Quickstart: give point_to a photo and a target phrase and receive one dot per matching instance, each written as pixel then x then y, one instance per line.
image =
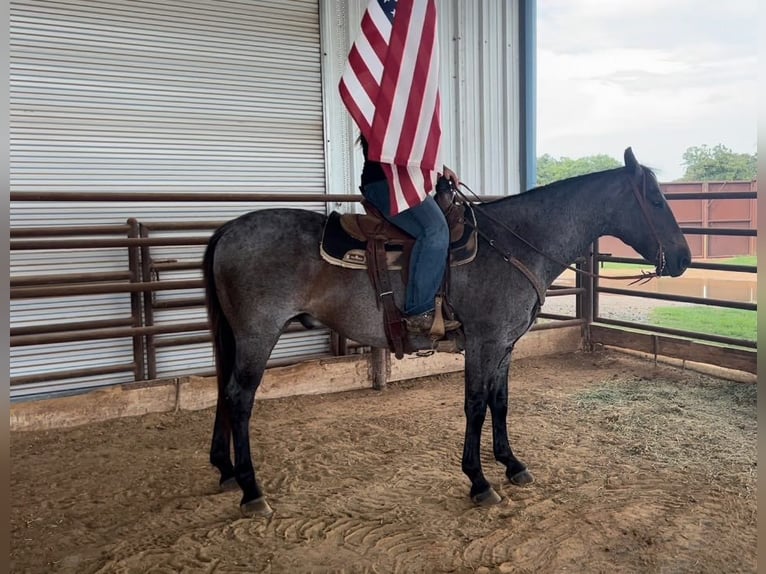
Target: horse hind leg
pixel 220 449
pixel 235 403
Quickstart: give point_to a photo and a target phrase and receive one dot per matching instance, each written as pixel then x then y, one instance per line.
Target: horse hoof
pixel 522 478
pixel 257 507
pixel 228 485
pixel 487 498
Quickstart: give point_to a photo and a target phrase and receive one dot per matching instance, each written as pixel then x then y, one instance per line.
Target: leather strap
pixel 437 327
pixel 377 267
pixel 532 279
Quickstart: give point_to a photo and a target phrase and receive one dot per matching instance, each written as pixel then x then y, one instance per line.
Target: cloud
pixel 660 76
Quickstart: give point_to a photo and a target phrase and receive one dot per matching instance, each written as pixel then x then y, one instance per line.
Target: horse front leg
pixel 515 470
pixel 476 397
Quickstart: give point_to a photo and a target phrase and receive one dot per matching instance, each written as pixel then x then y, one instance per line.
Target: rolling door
pixel 154 97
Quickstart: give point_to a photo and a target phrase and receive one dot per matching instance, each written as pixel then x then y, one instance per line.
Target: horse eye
pixel 657 202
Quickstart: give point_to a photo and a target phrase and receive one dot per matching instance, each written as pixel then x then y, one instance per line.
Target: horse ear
pixel 632 163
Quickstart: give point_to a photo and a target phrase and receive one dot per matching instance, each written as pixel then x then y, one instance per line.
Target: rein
pixel 641 278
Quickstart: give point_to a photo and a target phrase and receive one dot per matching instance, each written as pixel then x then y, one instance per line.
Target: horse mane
pixel 558 184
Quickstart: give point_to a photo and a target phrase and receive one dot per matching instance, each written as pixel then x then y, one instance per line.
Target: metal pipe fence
pixel 140 282
pixel 693 344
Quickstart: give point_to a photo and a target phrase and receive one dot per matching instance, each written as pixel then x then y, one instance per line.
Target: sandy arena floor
pixel 640 468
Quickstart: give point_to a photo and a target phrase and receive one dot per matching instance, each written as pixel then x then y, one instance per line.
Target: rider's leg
pixel 426 223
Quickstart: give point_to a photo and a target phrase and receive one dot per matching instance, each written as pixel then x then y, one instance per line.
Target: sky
pixel 657 75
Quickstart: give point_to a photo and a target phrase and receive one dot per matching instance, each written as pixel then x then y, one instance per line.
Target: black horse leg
pixel 239 394
pixel 475 411
pixel 220 449
pixel 516 471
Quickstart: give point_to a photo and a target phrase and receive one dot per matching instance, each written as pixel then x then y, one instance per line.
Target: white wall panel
pixel 143 96
pixel 479 87
pixel 224 96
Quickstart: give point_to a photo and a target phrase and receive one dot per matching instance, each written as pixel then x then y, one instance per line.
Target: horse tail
pixel 224 344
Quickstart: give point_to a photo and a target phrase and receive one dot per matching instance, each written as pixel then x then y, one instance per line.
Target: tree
pixel 550 169
pixel 719 163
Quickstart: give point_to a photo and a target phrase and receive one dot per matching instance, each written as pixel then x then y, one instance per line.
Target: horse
pixel 263 269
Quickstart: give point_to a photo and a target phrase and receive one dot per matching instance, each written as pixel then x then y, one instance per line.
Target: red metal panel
pixel 714 213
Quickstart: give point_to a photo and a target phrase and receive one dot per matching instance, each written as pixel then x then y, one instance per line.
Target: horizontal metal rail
pixel 179 303
pixel 117 229
pixel 559 291
pixel 555 316
pixel 734 231
pixel 176 265
pixel 73 374
pixel 183 340
pixel 77 326
pixel 30 244
pixel 293 327
pixel 558 324
pixel 67 278
pixel 95 330
pixel 182 225
pixel 682 298
pixel 694 264
pixel 97 334
pixel 103 288
pixel 212 197
pixel 680 195
pixel 688 334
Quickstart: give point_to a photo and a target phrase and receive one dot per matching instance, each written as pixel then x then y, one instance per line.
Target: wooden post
pixel 705 220
pixel 380 367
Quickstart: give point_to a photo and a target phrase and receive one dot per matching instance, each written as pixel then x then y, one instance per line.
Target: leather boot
pixel 422 323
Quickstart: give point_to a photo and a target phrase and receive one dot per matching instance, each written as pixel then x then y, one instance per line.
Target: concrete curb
pixel 331 375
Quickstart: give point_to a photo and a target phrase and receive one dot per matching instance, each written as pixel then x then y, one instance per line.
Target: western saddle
pixel 373 229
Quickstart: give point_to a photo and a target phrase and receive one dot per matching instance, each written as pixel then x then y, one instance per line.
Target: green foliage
pixel 550 169
pixel 736 323
pixel 718 163
pixel 618 265
pixel 740 260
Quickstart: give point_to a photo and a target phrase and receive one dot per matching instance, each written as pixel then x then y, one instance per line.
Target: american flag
pixel 391 89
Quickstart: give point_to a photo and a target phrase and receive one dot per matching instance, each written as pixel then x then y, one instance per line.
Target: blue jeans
pixel 426 223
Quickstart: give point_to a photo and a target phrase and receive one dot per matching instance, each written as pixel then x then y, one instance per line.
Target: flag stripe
pixel 376 29
pixel 359 116
pixel 421 97
pixel 390 88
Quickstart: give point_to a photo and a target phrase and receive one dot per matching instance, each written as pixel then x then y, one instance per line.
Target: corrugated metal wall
pixel 480 87
pixel 154 96
pixel 480 91
pixel 214 96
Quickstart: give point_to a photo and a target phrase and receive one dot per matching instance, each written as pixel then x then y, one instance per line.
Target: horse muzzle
pixel 675 262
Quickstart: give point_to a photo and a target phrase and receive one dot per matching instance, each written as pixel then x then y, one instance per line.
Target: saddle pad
pixel 339 248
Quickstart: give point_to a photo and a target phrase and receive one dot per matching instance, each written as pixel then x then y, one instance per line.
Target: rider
pixel 426 223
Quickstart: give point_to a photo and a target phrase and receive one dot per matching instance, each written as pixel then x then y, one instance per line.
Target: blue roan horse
pixel 264 269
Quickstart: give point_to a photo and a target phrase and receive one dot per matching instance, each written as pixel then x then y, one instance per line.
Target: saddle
pixel 369 241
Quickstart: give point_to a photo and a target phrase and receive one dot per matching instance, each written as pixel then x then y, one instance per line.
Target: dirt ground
pixel 639 467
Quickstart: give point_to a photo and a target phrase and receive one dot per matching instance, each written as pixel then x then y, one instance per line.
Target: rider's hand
pixel 452 176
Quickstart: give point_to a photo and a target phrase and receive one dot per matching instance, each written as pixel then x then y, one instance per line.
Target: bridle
pixel 638 191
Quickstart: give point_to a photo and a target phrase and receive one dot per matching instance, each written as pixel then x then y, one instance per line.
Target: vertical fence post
pixel 705 221
pixel 146 276
pixel 753 218
pixel 139 373
pixel 584 302
pixel 380 367
pixel 594 311
pixel 338 344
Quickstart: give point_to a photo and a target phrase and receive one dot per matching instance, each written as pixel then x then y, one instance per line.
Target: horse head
pixel 644 221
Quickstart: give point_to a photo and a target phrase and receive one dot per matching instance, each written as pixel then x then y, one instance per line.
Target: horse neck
pixel 562 220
